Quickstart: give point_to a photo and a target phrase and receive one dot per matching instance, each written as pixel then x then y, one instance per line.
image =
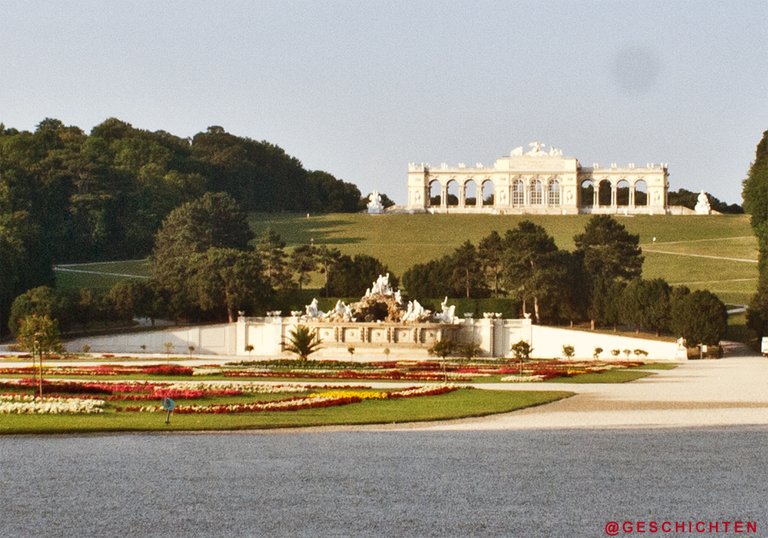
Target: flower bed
pixel 312 401
pixel 28 404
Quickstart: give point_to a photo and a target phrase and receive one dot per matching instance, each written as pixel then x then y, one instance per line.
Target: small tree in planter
pixel 627 352
pixel 351 351
pixel 469 350
pixel 641 352
pixel 443 348
pixel 387 352
pixel 615 352
pixel 168 347
pixel 568 352
pixel 596 353
pixel 191 349
pixel 522 352
pixel 249 348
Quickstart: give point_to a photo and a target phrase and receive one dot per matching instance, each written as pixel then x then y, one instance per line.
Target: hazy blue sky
pixel 361 88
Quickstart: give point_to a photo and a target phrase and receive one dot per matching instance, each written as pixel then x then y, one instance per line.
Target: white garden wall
pixel 218 339
pixel 407 340
pixel 548 342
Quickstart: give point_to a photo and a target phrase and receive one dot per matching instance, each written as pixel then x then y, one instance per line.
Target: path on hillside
pixel 61 269
pixel 710 256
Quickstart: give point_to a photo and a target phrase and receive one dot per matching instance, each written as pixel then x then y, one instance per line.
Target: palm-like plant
pixel 303 342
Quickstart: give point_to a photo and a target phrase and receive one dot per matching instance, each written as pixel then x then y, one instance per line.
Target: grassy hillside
pixel 689 250
pixel 718 253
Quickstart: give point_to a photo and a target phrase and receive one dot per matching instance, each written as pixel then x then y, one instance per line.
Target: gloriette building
pixel 538 181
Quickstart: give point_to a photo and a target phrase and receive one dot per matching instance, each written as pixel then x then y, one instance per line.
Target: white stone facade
pixel 538 182
pixel 402 340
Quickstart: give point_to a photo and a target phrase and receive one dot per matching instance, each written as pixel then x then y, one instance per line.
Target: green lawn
pixel 459 404
pixel 403 240
pixel 611 376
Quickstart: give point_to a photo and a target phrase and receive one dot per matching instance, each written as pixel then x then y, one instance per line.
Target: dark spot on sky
pixel 636 68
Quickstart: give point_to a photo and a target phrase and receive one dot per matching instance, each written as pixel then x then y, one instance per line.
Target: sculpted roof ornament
pixel 537 150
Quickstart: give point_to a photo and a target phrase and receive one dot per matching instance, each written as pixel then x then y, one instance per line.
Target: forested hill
pixel 70 196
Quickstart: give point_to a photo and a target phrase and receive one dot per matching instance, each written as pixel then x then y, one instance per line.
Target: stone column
pixel 444 196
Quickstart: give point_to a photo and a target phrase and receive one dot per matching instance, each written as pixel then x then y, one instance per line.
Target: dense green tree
pixel 227 280
pixel 465 269
pixel 40 301
pixel 429 280
pixel 490 252
pixel 755 193
pixel 610 255
pixel 700 317
pixel 303 261
pixel 645 304
pixel 327 260
pixel 530 257
pixel 212 221
pixel 274 260
pixel 329 194
pixel 757 312
pixel 353 275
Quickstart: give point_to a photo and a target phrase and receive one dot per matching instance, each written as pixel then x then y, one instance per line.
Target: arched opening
pixel 488 193
pixel 435 193
pixel 518 193
pixel 604 193
pixel 622 193
pixel 586 193
pixel 470 193
pixel 453 193
pixel 553 192
pixel 536 192
pixel 641 193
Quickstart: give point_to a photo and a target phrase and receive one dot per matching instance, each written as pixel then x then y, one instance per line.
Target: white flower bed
pixel 29 405
pixel 522 378
pixel 250 387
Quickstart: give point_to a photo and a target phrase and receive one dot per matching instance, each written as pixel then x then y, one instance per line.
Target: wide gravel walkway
pixel 722 392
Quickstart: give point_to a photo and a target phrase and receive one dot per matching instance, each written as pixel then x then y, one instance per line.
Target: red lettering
pixel 640 526
pixel 666 526
pixel 714 526
pixel 726 524
pixel 738 526
pixel 752 527
pixel 680 526
pixel 653 527
pixel 700 526
pixel 627 526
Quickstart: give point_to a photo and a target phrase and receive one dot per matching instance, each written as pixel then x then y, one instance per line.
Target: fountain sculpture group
pixel 381 292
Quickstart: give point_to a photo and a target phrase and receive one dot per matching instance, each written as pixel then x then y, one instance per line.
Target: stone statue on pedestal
pixel 702 204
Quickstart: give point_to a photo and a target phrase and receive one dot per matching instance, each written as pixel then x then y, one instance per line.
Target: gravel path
pixel 696 393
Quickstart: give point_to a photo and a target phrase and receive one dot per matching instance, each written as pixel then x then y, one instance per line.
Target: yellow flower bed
pixel 362 394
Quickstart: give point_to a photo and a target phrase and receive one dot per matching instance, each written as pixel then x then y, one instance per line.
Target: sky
pixel 361 88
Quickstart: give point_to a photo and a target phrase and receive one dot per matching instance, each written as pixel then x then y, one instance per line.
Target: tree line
pixel 67 196
pixel 206 265
pixel 755 193
pixel 599 281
